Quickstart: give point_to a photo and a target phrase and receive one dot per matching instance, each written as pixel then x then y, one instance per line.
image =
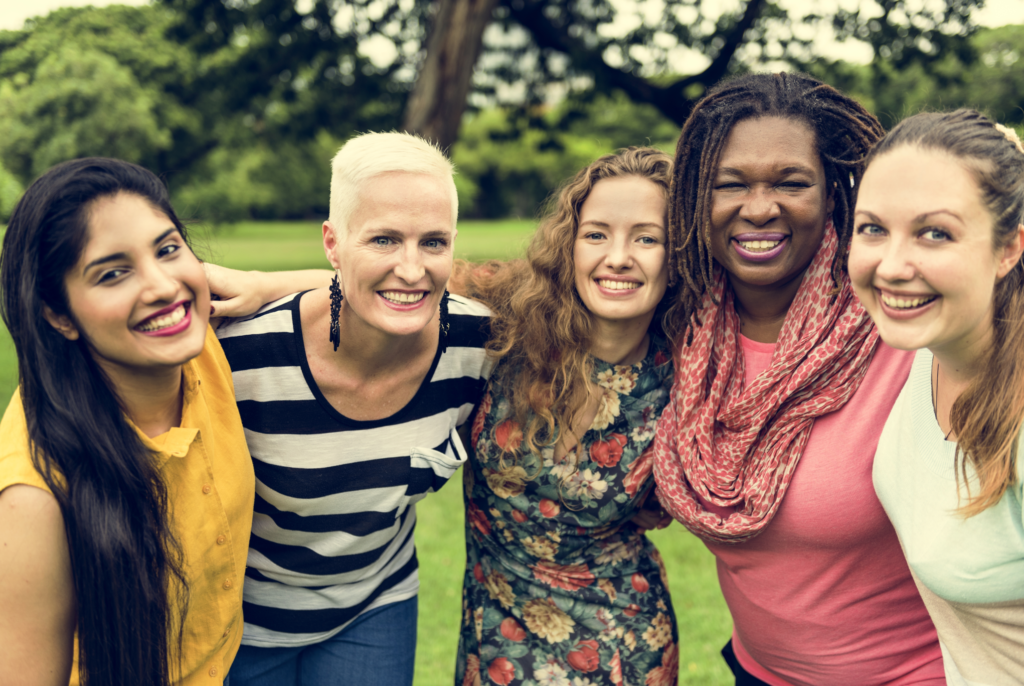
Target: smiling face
pixel 769 203
pixel 922 258
pixel 137 295
pixel 396 255
pixel 619 253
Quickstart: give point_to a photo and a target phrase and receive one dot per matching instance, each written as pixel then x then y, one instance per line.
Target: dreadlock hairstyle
pixel 988 416
pixel 540 324
pixel 844 133
pixel 126 563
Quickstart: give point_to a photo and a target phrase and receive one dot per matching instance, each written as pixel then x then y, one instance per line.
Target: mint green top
pixel 970 571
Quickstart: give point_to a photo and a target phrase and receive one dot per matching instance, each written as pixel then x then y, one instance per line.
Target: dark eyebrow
pixel 121 255
pixel 919 219
pixel 869 215
pixel 792 169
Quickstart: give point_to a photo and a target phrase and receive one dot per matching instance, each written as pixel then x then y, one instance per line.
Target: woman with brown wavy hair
pixel 561 582
pixel 936 260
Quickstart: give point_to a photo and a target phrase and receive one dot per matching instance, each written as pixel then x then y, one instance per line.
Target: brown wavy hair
pixel 540 325
pixel 844 133
pixel 988 416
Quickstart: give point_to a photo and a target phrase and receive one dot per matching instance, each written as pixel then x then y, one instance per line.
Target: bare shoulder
pixel 33 541
pixel 37 591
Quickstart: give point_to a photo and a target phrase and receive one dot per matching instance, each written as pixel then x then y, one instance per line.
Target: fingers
pixel 239 306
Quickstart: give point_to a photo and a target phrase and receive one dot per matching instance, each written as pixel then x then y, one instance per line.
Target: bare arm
pixel 243 293
pixel 37 593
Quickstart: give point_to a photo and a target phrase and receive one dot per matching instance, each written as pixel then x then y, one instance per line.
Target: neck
pixel 365 351
pixel 955 366
pixel 151 398
pixel 963 360
pixel 763 312
pixel 621 342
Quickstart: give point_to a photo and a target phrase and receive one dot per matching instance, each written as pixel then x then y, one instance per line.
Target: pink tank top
pixel 824 594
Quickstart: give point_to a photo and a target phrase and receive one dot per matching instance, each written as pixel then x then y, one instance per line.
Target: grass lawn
pixel 704 624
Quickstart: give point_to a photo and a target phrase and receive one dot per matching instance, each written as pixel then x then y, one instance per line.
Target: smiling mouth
pixel 164 321
pixel 402 298
pixel 900 303
pixel 618 285
pixel 758 246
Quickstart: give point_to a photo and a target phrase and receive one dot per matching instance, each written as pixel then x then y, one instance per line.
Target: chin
pixel 899 339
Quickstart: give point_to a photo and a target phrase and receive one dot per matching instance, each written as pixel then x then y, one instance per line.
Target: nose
pixel 759 207
pixel 410 264
pixel 620 254
pixel 158 284
pixel 896 262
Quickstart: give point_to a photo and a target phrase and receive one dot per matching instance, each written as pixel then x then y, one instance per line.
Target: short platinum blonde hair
pixel 372 154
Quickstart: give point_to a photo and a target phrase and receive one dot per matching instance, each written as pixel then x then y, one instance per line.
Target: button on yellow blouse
pixel 211 488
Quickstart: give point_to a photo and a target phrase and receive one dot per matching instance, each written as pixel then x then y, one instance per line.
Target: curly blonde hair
pixel 540 324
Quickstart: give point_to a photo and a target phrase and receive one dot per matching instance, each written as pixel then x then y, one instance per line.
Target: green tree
pixel 88 81
pixel 989 79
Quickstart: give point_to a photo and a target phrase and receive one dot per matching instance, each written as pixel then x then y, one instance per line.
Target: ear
pixel 331 244
pixel 62 323
pixel 1010 254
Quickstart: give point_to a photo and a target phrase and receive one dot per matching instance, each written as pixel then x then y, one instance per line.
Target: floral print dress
pixel 561 588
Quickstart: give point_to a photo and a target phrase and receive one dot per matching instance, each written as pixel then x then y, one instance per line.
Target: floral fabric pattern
pixel 561 588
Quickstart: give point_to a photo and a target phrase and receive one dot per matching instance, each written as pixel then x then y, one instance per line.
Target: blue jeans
pixel 377 649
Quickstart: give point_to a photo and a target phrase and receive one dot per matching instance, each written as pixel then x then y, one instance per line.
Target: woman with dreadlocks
pixel 781 391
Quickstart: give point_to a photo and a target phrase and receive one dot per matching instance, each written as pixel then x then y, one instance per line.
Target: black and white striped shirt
pixel 332 533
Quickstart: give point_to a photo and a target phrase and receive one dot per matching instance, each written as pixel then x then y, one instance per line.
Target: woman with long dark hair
pixel 936 260
pixel 126 490
pixel 561 583
pixel 781 391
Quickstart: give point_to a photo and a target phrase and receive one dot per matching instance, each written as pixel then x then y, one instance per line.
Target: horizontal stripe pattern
pixel 334 514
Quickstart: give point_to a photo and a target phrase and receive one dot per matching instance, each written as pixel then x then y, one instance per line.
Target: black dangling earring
pixel 444 322
pixel 336 298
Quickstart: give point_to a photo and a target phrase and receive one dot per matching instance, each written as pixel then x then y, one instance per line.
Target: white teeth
pixel 758 245
pixel 402 298
pixel 618 285
pixel 164 321
pixel 905 303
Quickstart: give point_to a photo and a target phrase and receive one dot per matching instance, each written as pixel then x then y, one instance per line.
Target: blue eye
pixel 435 243
pixel 382 241
pixel 870 230
pixel 935 235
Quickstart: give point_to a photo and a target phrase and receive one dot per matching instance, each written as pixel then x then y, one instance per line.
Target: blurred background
pixel 240 104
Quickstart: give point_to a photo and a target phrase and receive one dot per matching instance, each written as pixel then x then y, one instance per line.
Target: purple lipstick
pixel 759 254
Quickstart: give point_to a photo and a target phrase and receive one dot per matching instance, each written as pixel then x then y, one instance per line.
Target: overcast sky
pixel 995 13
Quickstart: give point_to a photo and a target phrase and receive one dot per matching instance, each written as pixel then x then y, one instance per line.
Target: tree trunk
pixel 439 98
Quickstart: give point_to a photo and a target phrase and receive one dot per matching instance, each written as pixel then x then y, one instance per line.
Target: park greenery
pixel 240 104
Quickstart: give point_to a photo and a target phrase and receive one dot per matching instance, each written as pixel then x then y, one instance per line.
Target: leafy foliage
pixel 241 103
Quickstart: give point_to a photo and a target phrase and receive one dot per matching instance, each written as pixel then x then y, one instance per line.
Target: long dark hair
pixel 988 416
pixel 127 565
pixel 844 133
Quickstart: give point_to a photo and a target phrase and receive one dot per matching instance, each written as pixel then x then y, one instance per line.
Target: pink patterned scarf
pixel 738 447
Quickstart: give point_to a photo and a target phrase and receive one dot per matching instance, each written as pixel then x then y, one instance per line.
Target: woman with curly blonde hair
pixel 561 581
